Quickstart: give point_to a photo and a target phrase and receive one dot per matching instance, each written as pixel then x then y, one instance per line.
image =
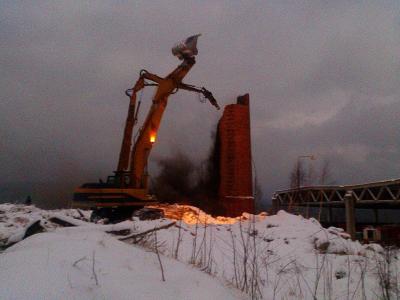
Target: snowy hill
pixel 270 257
pixel 76 263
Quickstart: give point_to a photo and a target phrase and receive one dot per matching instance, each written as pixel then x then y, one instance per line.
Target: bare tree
pixel 311 176
pixel 298 175
pixel 326 173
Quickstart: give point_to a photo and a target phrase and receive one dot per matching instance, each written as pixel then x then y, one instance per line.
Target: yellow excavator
pixel 127 189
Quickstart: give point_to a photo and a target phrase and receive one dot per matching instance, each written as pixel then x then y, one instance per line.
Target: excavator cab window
pixel 119 181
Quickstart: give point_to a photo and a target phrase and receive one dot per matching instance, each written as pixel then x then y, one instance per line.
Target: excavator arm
pixel 206 93
pixel 131 119
pixel 123 161
pixel 148 132
pixel 135 159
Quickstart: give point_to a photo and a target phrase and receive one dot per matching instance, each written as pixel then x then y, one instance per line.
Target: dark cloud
pixel 323 76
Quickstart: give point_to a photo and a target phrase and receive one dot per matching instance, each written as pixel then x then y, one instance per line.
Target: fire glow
pixel 153 136
pixel 192 215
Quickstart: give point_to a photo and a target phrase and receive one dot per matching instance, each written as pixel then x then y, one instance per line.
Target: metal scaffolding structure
pixel 381 194
pixel 374 195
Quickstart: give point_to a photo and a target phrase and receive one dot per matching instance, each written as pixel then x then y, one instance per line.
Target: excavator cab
pixel 121 179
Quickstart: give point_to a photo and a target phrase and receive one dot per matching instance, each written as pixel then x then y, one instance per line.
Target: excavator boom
pixel 123 162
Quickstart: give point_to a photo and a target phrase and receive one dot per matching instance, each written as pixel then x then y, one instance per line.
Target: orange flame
pixel 153 137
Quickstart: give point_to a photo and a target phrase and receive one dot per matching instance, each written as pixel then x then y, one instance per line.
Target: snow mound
pixel 83 263
pixel 16 218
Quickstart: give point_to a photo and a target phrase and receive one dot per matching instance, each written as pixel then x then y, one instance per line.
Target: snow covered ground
pixel 270 257
pixel 77 263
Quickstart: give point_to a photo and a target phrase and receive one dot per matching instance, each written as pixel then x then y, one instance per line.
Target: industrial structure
pixel 235 166
pixel 323 200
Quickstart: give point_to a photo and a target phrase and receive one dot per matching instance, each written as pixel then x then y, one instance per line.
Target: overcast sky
pixel 323 78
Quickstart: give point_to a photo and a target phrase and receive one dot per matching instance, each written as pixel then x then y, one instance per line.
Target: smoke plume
pixel 181 180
